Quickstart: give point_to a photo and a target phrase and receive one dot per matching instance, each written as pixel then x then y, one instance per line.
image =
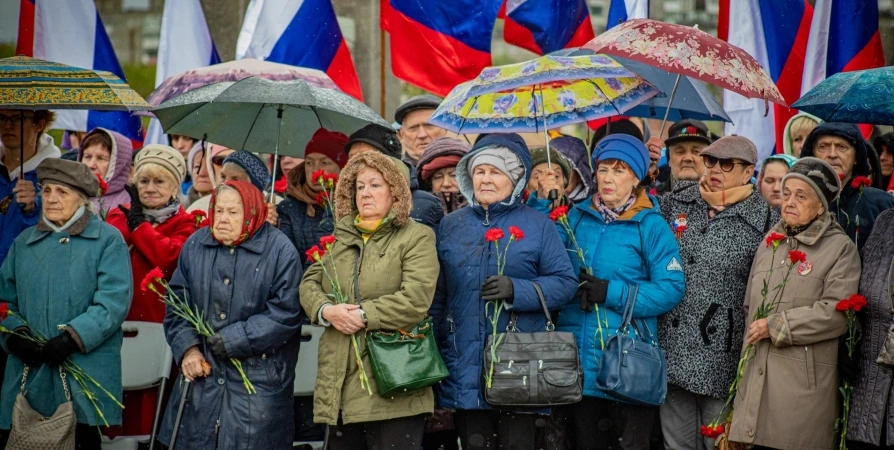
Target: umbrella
pixel 35 84
pixel 235 71
pixel 251 113
pixel 543 93
pixel 692 99
pixel 853 97
pixel 687 51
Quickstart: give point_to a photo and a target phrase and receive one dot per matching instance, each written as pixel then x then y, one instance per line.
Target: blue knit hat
pixel 625 148
pixel 253 166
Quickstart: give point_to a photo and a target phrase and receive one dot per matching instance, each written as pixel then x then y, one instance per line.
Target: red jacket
pixel 152 247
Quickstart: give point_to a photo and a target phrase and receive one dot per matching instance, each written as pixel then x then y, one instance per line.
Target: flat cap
pixel 70 174
pixel 425 101
pixel 733 147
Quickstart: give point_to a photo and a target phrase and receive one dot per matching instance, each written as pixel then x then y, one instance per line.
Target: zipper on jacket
pixel 486 217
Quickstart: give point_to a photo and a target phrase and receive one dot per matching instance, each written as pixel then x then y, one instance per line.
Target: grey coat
pixel 873 394
pixel 249 295
pixel 702 336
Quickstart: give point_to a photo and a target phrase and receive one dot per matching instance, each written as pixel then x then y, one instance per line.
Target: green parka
pixel 395 273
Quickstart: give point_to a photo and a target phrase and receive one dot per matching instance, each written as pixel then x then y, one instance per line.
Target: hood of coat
pixel 574 150
pixel 120 161
pixel 46 148
pixel 396 174
pixel 511 141
pixel 848 132
pixel 787 131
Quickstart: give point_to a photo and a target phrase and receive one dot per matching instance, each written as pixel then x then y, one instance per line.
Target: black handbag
pixel 533 369
pixel 633 368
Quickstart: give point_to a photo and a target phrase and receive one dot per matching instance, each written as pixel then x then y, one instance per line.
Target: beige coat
pixel 395 273
pixel 788 397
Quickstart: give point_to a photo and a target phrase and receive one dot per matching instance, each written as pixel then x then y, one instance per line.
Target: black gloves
pixel 592 290
pixel 58 349
pixel 135 215
pixel 848 368
pixel 216 345
pixel 31 353
pixel 498 288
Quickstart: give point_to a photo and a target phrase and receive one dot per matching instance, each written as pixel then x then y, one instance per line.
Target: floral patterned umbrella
pixel 542 94
pixel 690 52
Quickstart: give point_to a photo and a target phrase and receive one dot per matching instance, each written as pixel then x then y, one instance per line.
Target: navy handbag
pixel 634 368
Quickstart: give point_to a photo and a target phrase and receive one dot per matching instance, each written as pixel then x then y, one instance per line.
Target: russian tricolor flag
pixel 624 10
pixel 844 37
pixel 438 44
pixel 71 32
pixel 775 33
pixel 185 44
pixel 544 26
pixel 302 33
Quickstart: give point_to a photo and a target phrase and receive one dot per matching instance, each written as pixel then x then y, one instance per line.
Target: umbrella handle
pixel 669 104
pixel 275 156
pixel 553 193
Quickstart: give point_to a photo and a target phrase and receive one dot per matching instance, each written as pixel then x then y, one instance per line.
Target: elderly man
pixel 685 141
pixel 19 205
pixel 842 146
pixel 415 132
pixel 719 222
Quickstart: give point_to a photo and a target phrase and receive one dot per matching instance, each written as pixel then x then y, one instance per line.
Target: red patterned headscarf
pixel 255 210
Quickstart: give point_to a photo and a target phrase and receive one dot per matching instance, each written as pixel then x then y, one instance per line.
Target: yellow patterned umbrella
pixel 30 83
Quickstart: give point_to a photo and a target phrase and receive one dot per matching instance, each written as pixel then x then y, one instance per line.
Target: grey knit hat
pixel 538 156
pixel 503 159
pixel 819 175
pixel 163 155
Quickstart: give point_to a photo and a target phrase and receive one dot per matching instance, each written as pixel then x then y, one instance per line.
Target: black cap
pixel 425 101
pixel 688 130
pixel 382 138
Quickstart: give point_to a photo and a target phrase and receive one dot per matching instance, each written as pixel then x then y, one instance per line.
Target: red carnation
pixel 860 182
pixel 327 241
pixel 322 198
pixel 797 256
pixel 103 186
pixel 843 305
pixel 281 185
pixel 493 234
pixel 774 239
pixel 154 276
pixel 560 212
pixel 516 232
pixel 314 253
pixel 4 310
pixel 330 178
pixel 711 432
pixel 857 302
pixel 317 177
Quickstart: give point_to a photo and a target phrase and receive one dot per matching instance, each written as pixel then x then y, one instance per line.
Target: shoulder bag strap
pixel 61 375
pixel 513 318
pixel 628 307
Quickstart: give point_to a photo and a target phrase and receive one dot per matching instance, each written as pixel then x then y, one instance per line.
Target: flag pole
pixel 381 72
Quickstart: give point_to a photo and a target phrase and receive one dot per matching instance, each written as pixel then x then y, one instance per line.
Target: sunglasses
pixel 726 165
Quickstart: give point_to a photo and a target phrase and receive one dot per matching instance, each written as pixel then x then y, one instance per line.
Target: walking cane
pixel 179 413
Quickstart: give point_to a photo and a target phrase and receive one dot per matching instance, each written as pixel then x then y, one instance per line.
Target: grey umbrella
pixel 263 116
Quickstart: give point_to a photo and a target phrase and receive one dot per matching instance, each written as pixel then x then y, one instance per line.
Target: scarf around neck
pixel 368 227
pixel 74 218
pixel 608 214
pixel 721 200
pixel 160 215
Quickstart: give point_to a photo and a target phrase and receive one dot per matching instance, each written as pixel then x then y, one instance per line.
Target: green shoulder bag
pixel 405 361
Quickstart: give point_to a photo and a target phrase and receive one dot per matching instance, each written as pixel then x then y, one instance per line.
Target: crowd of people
pixel 680 226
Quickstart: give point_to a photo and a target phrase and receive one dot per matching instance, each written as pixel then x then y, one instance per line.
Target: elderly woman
pixel 108 154
pixel 242 274
pixel 580 183
pixel 155 226
pixel 788 396
pixel 389 271
pixel 71 269
pixel 769 181
pixel 626 243
pixel 213 159
pixel 493 176
pixel 437 171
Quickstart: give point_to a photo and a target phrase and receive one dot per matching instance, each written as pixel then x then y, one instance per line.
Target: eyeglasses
pixel 16 120
pixel 218 160
pixel 726 165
